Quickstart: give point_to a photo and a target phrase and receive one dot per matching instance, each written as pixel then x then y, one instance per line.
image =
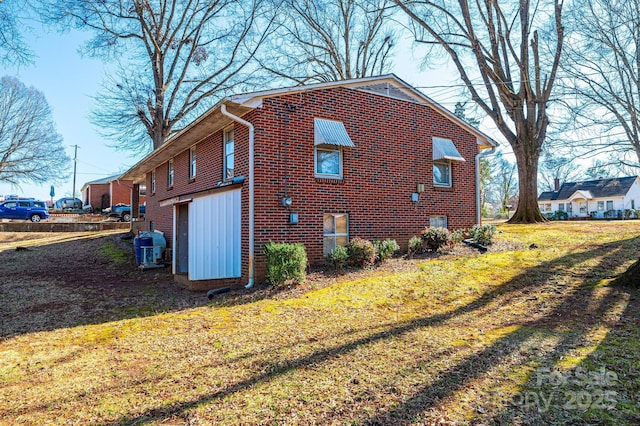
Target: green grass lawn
pixel 514 336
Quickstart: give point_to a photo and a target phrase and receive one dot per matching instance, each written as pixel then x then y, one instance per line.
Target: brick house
pixel 105 192
pixel 371 158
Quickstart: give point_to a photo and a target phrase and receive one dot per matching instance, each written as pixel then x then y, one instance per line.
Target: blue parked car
pixel 32 210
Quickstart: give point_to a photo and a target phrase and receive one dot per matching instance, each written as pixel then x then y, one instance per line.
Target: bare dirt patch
pixel 64 280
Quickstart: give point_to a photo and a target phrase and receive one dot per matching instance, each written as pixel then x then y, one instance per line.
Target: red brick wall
pixel 95 191
pixel 392 154
pixel 121 192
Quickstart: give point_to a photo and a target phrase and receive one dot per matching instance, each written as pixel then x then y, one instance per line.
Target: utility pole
pixel 75 164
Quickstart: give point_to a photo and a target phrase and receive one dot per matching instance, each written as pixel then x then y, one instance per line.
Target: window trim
pixel 328 148
pixel 170 173
pixel 192 162
pixel 439 217
pixel 225 142
pixel 610 202
pixel 335 234
pixel 449 184
pixel 153 181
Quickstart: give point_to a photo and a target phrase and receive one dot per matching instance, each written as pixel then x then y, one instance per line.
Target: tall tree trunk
pixel 527 158
pixel 629 278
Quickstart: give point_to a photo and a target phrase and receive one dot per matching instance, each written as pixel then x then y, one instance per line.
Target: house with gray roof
pixel 600 198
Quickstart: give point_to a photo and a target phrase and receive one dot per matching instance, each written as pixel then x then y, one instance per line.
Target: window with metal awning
pixel 444 152
pixel 330 137
pixel 330 132
pixel 444 149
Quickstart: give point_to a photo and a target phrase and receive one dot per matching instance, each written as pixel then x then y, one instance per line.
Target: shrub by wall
pixel 285 262
pixel 433 239
pixel 338 258
pixel 385 249
pixel 362 253
pixel 483 234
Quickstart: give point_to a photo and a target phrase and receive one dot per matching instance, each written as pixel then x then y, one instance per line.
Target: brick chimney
pixel 556 184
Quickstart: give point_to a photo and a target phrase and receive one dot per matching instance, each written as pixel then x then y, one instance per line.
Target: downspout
pixel 223 110
pixel 483 153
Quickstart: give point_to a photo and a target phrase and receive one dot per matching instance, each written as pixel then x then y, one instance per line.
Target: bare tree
pixel 602 87
pixel 13 50
pixel 30 147
pixel 331 40
pixel 500 43
pixel 176 57
pixel 503 185
pixel 486 177
pixel 554 167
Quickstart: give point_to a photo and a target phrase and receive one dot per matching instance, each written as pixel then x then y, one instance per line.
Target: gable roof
pixel 213 120
pixel 599 188
pixel 102 181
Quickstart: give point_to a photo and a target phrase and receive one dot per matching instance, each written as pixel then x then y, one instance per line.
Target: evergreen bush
pixel 338 258
pixel 435 238
pixel 285 262
pixel 415 245
pixel 483 234
pixel 362 253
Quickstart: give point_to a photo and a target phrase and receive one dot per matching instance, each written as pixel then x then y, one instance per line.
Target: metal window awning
pixel 329 132
pixel 444 149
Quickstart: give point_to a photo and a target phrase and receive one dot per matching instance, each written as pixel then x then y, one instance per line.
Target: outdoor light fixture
pixel 287 202
pixel 420 188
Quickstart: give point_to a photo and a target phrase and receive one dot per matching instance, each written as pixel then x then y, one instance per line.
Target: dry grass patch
pixel 462 338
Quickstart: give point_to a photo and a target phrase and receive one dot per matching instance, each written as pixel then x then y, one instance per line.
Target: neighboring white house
pixel 601 198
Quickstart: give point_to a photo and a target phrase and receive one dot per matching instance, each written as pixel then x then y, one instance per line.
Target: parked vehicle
pixel 68 203
pixel 24 209
pixel 122 211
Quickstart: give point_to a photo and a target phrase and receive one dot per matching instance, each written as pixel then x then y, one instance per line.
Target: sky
pixel 69 82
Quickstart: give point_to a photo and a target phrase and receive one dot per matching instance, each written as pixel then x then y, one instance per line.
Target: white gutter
pixel 483 153
pixel 223 110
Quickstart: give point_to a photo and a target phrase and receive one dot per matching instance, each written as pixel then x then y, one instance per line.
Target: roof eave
pixel 208 123
pixel 254 99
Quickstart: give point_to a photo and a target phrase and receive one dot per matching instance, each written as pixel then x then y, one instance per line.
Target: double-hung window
pixel 170 172
pixel 192 162
pixel 153 181
pixel 609 205
pixel 229 155
pixel 444 153
pixel 330 137
pixel 600 206
pixel 336 231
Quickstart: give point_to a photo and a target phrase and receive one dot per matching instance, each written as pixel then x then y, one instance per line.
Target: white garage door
pixel 214 236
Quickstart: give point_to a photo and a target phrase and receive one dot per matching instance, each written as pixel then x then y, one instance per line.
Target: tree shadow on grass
pixel 71 283
pixel 480 363
pixel 472 367
pixel 602 388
